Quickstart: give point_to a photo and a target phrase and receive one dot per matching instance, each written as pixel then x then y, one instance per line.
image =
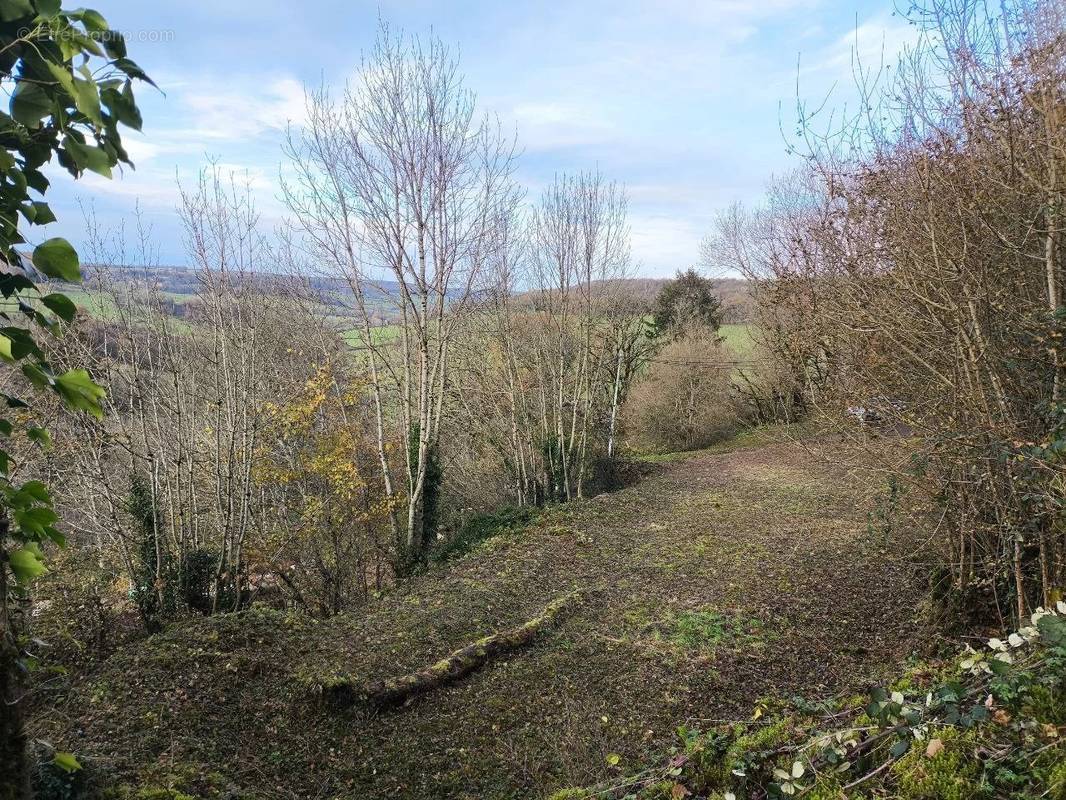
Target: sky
pixel 686 103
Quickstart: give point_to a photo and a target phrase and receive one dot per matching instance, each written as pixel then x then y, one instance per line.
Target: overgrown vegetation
pixel 59 108
pixel 909 278
pixel 340 523
pixel 482 527
pixel 984 726
pixel 695 583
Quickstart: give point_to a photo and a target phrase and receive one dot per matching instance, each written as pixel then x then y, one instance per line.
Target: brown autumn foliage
pixel 914 267
pixel 685 400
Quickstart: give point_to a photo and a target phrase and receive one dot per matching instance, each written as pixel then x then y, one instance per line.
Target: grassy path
pixel 723 577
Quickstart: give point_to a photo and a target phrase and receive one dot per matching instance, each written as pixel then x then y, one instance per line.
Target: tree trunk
pixel 395 691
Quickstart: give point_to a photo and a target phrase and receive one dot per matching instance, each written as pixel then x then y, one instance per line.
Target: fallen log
pixel 396 691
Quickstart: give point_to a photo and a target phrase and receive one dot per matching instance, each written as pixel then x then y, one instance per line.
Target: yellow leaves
pixel 313 452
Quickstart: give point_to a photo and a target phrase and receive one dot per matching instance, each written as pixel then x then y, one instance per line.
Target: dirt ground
pixel 724 576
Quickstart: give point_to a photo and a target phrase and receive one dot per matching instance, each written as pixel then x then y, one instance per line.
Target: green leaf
pixel 37 376
pixel 26 564
pixel 1053 629
pixel 48 8
pixel 35 180
pixel 92 20
pixel 42 213
pixel 80 392
pixel 22 343
pixel 61 305
pixel 87 98
pixel 131 69
pixel 66 762
pixel 36 490
pixel 58 538
pixel 115 44
pixel 36 520
pixel 30 104
pixel 899 748
pixel 122 107
pixel 41 436
pixel 88 157
pixel 62 76
pixel 15 9
pixel 57 259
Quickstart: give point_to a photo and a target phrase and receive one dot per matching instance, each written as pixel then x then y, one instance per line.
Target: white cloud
pixel 553 125
pixel 663 244
pixel 868 46
pixel 242 112
pixel 141 150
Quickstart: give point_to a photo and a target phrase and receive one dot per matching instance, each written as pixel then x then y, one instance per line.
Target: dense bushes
pixel 914 270
pixel 686 400
pixel 481 527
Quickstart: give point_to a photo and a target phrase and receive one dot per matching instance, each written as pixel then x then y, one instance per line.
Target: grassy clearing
pixel 946 730
pixel 759 436
pixel 97 305
pixel 381 334
pixel 739 338
pixel 692 584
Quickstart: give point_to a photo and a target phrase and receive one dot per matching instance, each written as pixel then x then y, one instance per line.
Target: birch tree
pixel 396 187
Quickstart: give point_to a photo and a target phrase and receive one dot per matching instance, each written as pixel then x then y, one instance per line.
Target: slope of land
pixel 724 576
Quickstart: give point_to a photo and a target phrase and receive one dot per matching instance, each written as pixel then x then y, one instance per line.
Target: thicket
pixel 274 443
pixel 911 273
pixel 687 399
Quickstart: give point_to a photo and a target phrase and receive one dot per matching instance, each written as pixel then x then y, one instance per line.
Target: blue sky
pixel 681 101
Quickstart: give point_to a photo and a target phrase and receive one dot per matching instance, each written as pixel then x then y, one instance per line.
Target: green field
pixel 738 338
pixel 381 334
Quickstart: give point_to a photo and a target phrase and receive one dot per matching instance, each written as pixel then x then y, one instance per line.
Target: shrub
pixel 685 401
pixel 687 300
pixel 481 527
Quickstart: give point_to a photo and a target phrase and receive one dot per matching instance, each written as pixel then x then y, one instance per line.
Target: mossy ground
pixel 721 578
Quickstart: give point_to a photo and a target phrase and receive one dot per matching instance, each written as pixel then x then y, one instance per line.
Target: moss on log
pixel 396 691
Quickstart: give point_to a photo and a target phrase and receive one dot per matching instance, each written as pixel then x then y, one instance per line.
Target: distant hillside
pixel 179 284
pixel 184 280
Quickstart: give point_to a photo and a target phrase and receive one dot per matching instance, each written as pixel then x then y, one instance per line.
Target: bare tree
pixel 397 188
pixel 916 267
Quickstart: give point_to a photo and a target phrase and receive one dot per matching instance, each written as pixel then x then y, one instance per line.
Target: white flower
pixel 1015 640
pixel 1060 606
pixel 997 644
